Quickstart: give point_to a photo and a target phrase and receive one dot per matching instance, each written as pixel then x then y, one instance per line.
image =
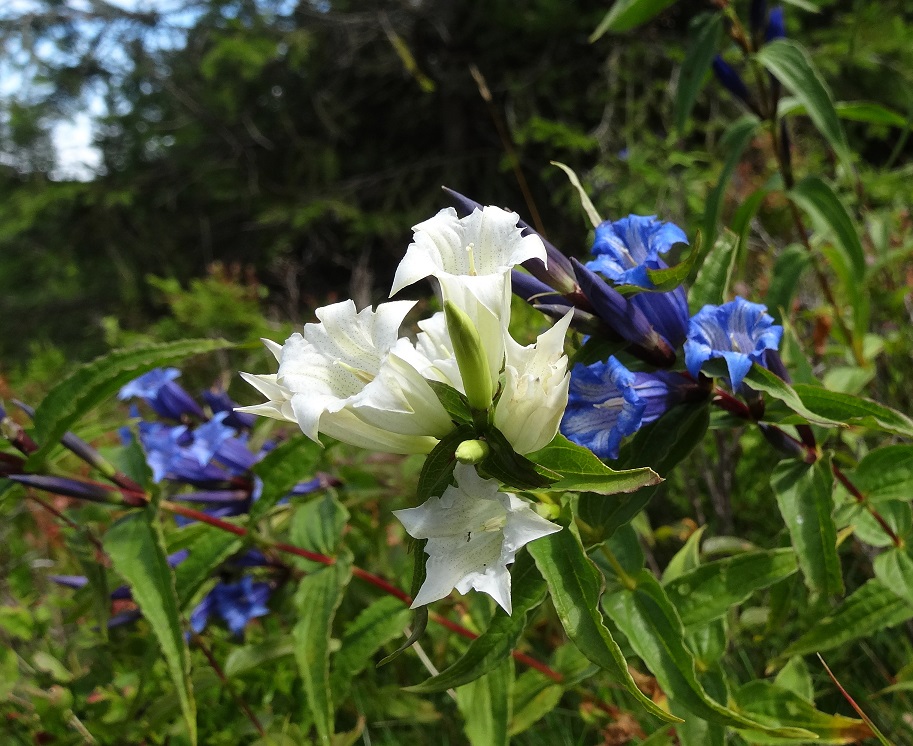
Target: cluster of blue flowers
pixel 211 455
pixel 607 402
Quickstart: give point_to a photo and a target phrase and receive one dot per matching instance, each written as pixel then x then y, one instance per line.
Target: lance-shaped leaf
pixel 377 624
pixel 871 608
pixel 98 381
pixel 485 705
pixel 774 705
pixel 734 140
pixel 853 410
pixel 319 595
pixel 665 280
pixel 582 471
pixel 575 585
pixel 804 495
pixel 281 469
pixel 137 551
pixel 788 269
pixel 625 15
pixel 709 591
pixel 534 696
pixel 649 621
pixel 210 549
pixel 501 636
pixel 885 474
pixel 761 379
pixel 790 63
pixel 894 568
pixel 712 282
pixel 704 35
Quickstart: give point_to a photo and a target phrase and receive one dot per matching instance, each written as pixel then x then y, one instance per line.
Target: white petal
pixel 495 581
pixel 274 347
pixel 523 526
pixel 452 559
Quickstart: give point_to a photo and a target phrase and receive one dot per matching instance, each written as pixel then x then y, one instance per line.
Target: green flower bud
pixel 471 357
pixel 472 451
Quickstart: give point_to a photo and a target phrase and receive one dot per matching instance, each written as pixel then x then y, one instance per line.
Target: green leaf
pixel 97 382
pixel 790 63
pixel 137 552
pixel 885 474
pixel 894 568
pixel 871 608
pixel 704 33
pixel 9 671
pixel 209 550
pixel 252 657
pixel 685 559
pixel 853 111
pixel 709 591
pixel 456 404
pixel 485 706
pixel 581 470
pixel 281 469
pixel 794 676
pixel 805 497
pixel 317 598
pixel 818 200
pixel 734 140
pixel 761 379
pixel 509 467
pixel 625 15
pixel 419 615
pixel 670 278
pixel 534 696
pixel 647 618
pixel 437 471
pixel 774 705
pixel 504 631
pixel 661 445
pixel 712 282
pixel 585 202
pixel 376 625
pixel 318 525
pixel 787 271
pixel 575 585
pixel 853 410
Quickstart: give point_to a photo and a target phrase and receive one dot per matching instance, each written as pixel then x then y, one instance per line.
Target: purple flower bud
pixel 219 401
pixel 607 403
pixel 776 25
pixel 666 312
pixel 739 332
pixel 98 493
pixel 167 399
pixel 732 82
pixel 625 319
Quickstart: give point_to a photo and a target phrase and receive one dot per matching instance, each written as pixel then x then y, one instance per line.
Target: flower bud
pixel 472 451
pixel 470 356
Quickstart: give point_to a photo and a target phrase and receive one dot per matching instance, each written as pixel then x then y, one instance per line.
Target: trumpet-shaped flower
pixel 739 332
pixel 607 402
pixel 625 249
pixel 535 389
pixel 236 603
pixel 167 398
pixel 343 378
pixel 471 258
pixel 473 532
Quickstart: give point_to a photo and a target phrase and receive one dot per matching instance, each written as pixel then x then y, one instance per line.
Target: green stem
pixel 626 580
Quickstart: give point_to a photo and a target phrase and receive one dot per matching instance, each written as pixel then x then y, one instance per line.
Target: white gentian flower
pixel 343 377
pixel 471 258
pixel 535 391
pixel 473 531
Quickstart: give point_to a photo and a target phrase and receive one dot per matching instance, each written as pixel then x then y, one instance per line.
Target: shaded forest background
pixel 279 152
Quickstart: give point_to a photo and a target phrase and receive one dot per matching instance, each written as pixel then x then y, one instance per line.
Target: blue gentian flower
pixel 219 401
pixel 739 332
pixel 776 25
pixel 235 603
pixel 167 399
pixel 730 80
pixel 607 402
pixel 626 248
pixel 170 455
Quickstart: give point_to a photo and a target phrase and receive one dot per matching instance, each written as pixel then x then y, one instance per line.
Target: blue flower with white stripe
pixel 625 249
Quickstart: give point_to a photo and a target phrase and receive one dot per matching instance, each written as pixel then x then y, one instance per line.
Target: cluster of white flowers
pixel 354 378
